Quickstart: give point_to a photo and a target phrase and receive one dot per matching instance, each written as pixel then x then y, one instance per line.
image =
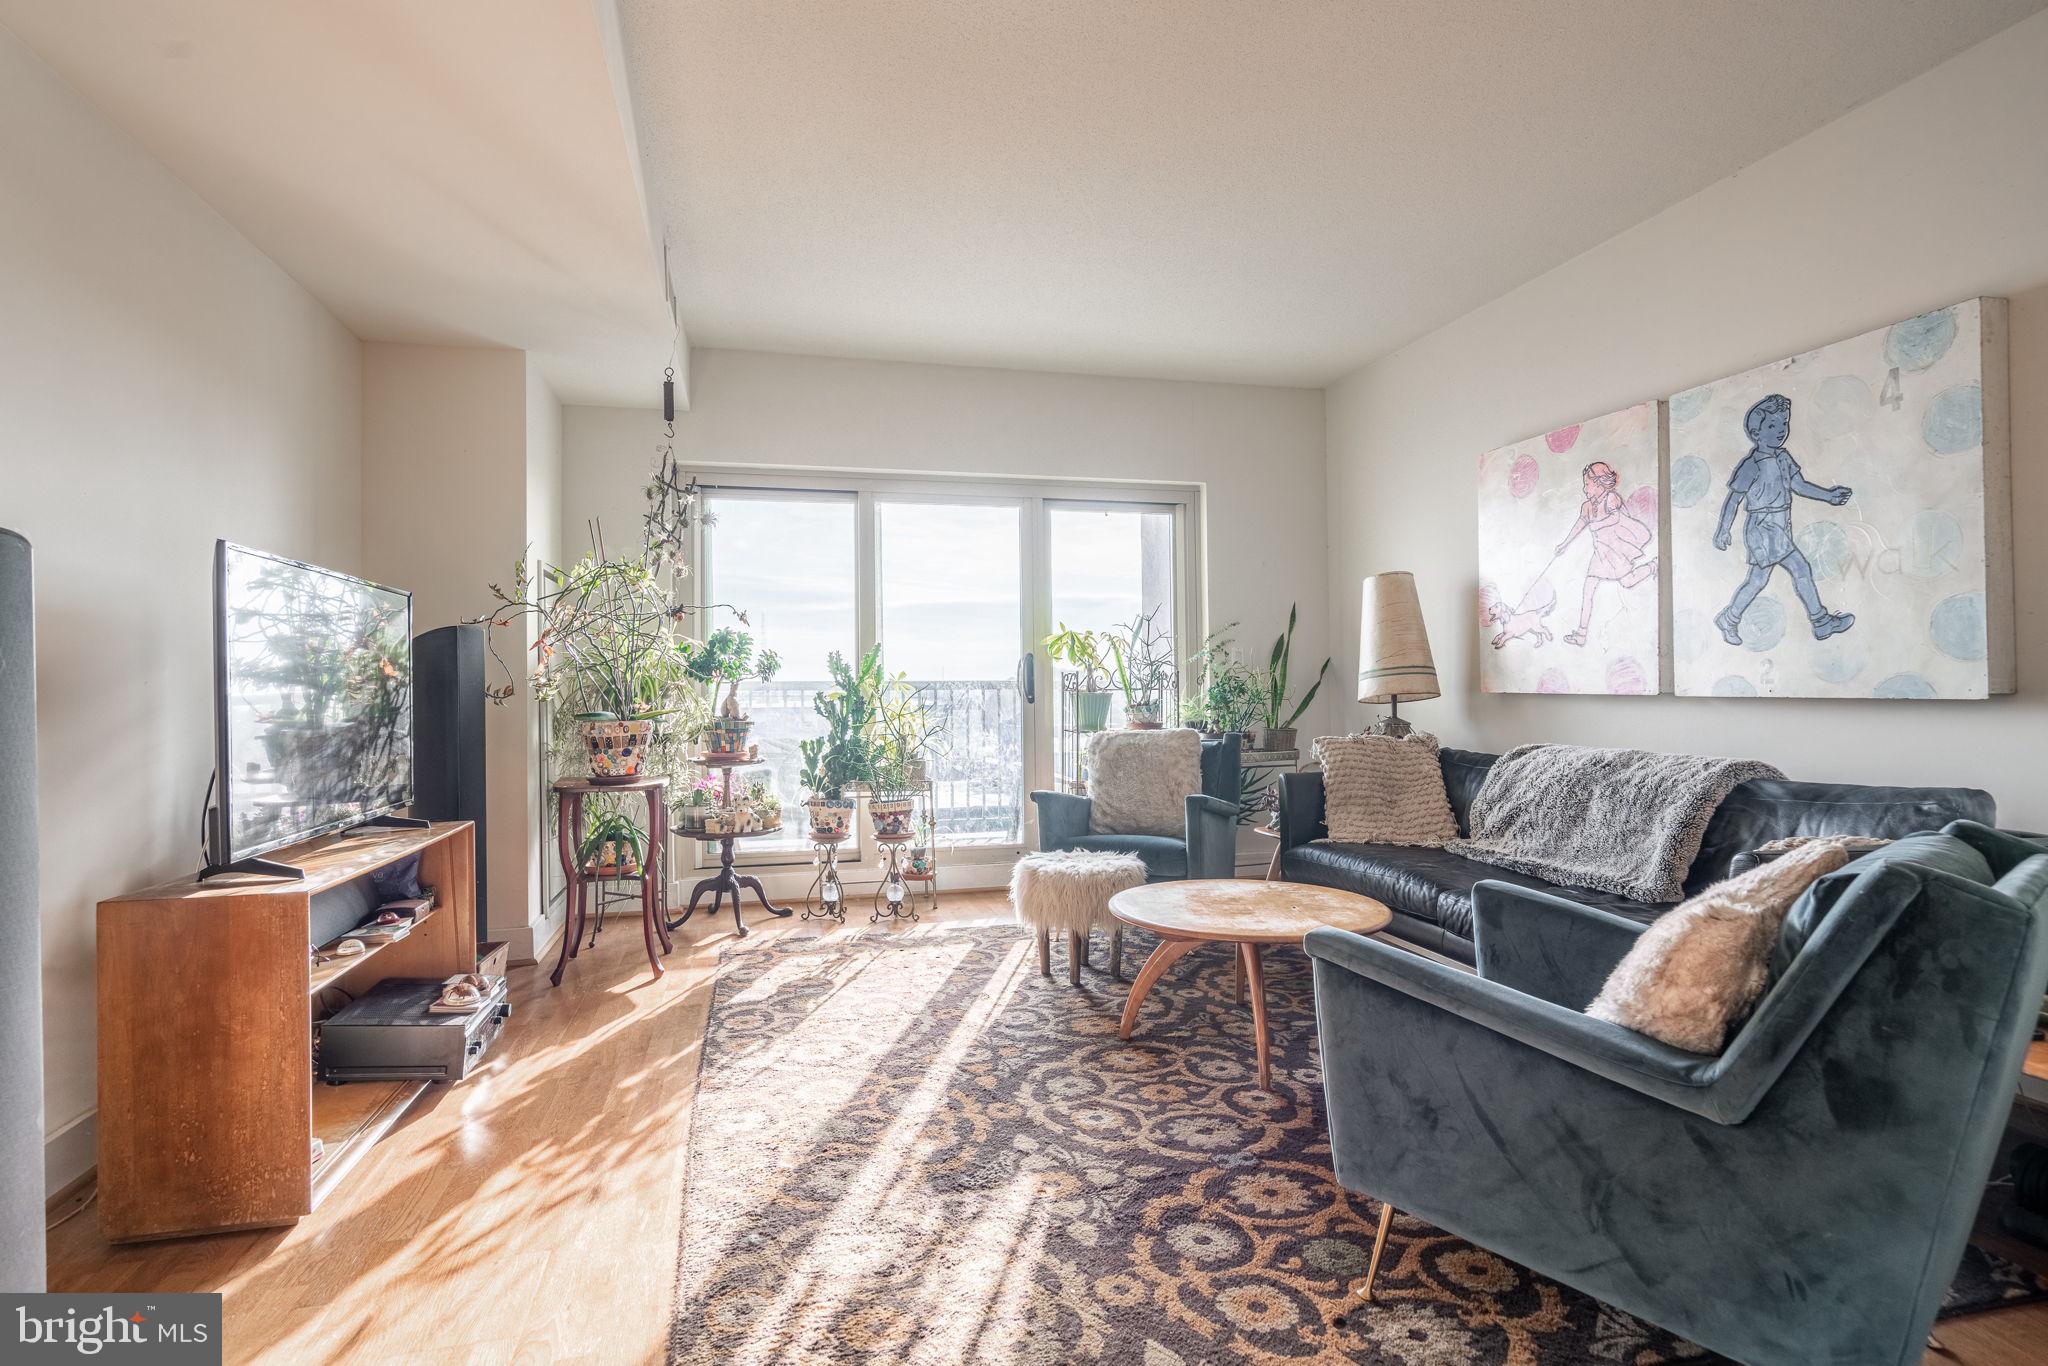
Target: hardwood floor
pixel 530 1214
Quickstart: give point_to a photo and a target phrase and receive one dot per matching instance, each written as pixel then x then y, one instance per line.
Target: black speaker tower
pixel 448 738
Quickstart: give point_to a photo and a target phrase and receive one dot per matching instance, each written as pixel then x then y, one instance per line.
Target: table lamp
pixel 1394 663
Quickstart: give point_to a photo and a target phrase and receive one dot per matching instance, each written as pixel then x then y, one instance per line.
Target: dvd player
pixel 389 1033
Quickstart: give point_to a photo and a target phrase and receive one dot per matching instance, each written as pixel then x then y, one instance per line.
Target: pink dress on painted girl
pixel 1619 540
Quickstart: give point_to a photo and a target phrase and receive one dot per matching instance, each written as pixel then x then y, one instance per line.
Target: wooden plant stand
pixel 570 794
pixel 727 881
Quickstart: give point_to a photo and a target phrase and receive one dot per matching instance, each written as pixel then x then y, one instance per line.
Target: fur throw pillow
pixel 1703 965
pixel 1380 789
pixel 1139 781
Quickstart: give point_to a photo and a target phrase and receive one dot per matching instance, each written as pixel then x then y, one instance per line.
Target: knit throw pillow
pixel 1139 781
pixel 1702 965
pixel 1380 789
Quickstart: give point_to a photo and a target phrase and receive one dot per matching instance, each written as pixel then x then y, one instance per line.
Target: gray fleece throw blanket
pixel 1620 820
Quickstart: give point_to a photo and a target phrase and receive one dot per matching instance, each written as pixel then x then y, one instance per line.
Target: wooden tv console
pixel 207 994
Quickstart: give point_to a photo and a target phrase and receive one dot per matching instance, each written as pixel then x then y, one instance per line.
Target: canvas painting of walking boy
pixel 1837 518
pixel 1568 559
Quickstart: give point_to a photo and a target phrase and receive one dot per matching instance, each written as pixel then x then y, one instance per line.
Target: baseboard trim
pixel 72 1198
pixel 71 1154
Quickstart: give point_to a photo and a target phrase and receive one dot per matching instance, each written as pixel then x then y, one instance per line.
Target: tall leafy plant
pixel 848 752
pixel 605 638
pixel 1276 681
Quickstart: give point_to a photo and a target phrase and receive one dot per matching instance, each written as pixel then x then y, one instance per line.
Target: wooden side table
pixel 570 794
pixel 1273 866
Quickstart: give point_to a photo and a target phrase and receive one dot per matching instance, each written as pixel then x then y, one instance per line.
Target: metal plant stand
pixel 826 899
pixel 892 897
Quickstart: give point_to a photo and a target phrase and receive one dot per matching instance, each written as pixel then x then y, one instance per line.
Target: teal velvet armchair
pixel 1208 848
pixel 1801 1198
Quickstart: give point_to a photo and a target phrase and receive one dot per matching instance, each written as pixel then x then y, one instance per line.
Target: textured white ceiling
pixel 1274 191
pixel 451 171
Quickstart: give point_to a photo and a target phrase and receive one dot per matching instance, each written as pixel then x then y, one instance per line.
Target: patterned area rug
pixel 911 1147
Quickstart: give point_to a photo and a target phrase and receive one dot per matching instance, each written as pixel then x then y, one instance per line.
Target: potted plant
pixel 844 756
pixel 763 806
pixel 726 659
pixel 1083 650
pixel 1277 734
pixel 1231 695
pixel 695 802
pixel 612 845
pixel 1142 663
pixel 605 648
pixel 906 733
pixel 921 848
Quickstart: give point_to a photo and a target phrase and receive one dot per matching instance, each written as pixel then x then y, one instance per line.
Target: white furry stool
pixel 1070 891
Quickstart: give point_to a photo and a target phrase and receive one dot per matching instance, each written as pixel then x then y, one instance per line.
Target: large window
pixel 787 561
pixel 958 583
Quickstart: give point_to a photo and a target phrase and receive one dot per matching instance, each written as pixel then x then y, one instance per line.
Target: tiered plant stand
pixel 727 881
pixel 925 885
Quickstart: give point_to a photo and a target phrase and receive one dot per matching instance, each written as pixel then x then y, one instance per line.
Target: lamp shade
pixel 1394 663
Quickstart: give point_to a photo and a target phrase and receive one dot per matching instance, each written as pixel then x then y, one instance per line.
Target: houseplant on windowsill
pixel 1277 734
pixel 1141 660
pixel 1083 650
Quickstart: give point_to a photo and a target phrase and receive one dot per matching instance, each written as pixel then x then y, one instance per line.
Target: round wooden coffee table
pixel 1250 915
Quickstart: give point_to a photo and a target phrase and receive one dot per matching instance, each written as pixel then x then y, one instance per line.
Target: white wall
pixel 166 384
pixel 450 502
pixel 1933 193
pixel 1257 453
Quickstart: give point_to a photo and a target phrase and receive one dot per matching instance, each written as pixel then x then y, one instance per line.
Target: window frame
pixel 1035 499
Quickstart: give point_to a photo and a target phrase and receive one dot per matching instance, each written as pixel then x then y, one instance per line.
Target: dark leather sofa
pixel 1430 890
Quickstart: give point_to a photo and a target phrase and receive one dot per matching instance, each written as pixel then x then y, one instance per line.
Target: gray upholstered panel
pixel 21 959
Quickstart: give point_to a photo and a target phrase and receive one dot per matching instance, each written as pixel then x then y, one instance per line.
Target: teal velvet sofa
pixel 1802 1198
pixel 1208 845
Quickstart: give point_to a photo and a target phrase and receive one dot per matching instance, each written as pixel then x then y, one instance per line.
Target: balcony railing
pixel 977 764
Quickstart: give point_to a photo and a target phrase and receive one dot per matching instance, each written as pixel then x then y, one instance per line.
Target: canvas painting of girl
pixel 1572 515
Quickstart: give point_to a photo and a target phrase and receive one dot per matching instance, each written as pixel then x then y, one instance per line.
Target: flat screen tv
pixel 312 704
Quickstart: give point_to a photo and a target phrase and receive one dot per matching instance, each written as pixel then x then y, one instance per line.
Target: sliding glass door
pixel 958 584
pixel 951 620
